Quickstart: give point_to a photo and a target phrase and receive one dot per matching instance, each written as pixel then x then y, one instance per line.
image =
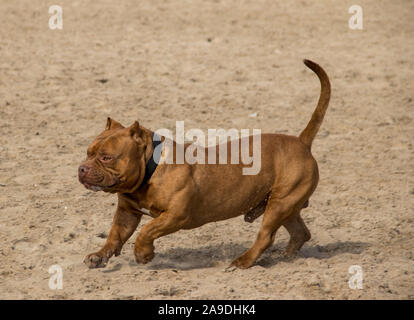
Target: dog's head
pixel 116 159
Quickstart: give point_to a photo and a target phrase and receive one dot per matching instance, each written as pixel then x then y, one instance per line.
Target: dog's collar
pixel 153 161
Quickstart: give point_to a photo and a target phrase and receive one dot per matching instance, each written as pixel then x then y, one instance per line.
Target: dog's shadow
pixel 275 254
pixel 216 255
pixel 195 258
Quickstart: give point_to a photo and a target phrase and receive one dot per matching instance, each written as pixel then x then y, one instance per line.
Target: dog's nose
pixel 83 170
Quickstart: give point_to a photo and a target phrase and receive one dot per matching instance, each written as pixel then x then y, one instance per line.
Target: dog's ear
pixel 112 124
pixel 135 131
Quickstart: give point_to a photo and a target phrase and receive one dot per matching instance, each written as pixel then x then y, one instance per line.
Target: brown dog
pixel 186 196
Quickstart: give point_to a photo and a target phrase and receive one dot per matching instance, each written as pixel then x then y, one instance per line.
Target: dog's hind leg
pixel 298 232
pixel 278 209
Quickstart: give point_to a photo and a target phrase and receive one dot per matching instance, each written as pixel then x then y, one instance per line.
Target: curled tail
pixel 309 133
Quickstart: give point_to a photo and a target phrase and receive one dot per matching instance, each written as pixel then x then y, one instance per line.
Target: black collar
pixel 153 161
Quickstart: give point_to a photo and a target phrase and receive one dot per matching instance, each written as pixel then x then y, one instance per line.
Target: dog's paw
pixel 289 253
pixel 230 269
pixel 242 262
pixel 95 260
pixel 144 254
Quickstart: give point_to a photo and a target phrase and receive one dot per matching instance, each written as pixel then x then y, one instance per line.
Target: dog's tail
pixel 309 133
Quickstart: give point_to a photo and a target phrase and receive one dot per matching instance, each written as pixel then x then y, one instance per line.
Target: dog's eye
pixel 106 158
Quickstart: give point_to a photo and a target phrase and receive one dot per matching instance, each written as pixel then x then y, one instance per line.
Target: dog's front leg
pixel 166 223
pixel 123 226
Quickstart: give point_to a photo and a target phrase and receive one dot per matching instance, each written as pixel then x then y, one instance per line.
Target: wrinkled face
pixel 115 160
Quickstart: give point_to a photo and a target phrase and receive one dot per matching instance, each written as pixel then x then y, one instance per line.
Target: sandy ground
pixel 211 64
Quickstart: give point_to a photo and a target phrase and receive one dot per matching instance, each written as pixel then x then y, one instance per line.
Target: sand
pixel 210 64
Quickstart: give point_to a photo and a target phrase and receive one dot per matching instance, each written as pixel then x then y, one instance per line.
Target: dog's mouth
pixel 97 188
